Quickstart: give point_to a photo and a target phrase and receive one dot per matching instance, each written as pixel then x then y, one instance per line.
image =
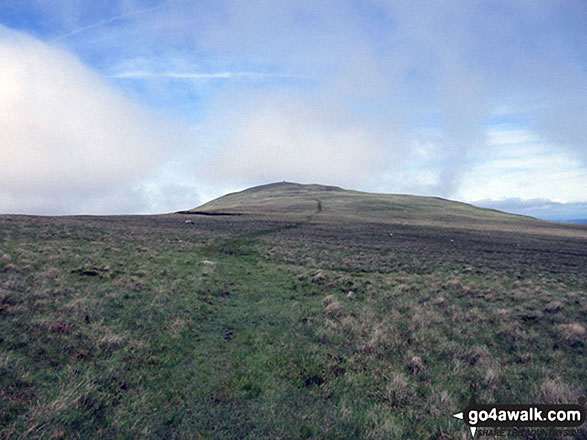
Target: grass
pixel 318 326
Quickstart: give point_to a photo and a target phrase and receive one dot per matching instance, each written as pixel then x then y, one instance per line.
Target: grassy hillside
pixel 329 323
pixel 334 203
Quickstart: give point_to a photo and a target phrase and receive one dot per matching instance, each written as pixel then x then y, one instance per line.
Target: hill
pixel 292 198
pixel 286 199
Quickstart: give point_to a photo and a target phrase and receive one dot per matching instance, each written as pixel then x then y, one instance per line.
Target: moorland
pixel 286 311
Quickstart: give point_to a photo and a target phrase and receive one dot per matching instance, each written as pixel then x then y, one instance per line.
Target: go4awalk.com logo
pixel 515 418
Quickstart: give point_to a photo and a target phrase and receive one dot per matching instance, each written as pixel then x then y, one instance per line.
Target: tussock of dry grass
pixel 574 332
pixel 333 309
pixel 441 402
pixel 328 300
pixel 416 365
pixel 555 391
pixel 439 301
pixel 553 306
pixel 397 391
pixel 478 356
pixel 110 343
pixel 491 377
pixel 319 277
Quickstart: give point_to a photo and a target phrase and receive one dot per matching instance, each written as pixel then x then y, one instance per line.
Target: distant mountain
pixel 582 221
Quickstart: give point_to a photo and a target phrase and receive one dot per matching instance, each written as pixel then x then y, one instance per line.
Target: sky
pixel 144 106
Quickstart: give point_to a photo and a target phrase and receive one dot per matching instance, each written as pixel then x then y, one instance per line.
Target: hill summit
pixel 295 199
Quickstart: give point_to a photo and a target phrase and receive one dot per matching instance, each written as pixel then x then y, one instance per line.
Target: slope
pixel 334 203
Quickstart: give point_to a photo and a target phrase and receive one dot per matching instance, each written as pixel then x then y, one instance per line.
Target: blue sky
pixel 130 106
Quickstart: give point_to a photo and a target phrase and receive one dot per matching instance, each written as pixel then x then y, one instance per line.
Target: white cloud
pixel 135 74
pixel 540 208
pixel 517 162
pixel 69 142
pixel 278 137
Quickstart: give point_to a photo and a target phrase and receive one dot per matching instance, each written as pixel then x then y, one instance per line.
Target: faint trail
pixel 290 226
pixel 227 246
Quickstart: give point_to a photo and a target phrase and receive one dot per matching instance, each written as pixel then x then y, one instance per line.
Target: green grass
pixel 317 326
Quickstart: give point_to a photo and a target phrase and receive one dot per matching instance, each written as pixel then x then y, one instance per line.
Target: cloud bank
pixel 409 74
pixel 277 137
pixel 69 142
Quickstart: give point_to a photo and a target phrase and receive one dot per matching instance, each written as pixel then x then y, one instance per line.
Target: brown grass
pixel 333 309
pixel 555 391
pixel 416 365
pixel 574 332
pixel 397 390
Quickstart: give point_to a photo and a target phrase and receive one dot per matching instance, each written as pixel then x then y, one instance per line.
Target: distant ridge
pixel 581 221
